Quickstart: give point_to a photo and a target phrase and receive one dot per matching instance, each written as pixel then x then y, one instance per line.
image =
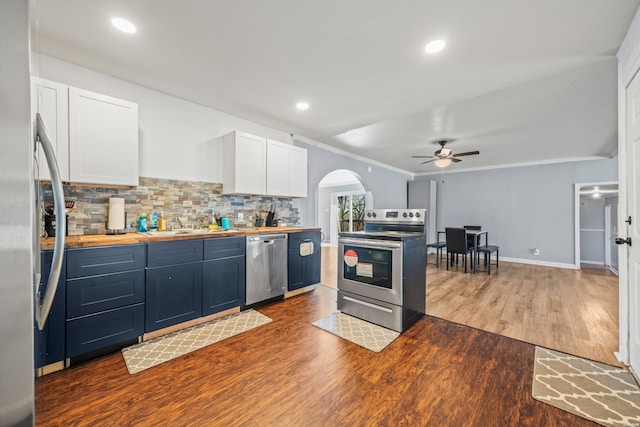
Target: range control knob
pixel 374 214
pixel 417 214
pixel 369 214
pixel 410 214
pixel 404 214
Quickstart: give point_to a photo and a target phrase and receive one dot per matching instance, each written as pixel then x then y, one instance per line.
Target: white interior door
pixel 633 230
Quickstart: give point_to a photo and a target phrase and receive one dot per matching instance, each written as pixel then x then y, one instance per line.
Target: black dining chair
pixel 457 245
pixel 486 251
pixel 470 237
pixel 439 247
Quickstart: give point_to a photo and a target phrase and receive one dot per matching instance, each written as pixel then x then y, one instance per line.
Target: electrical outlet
pixel 536 251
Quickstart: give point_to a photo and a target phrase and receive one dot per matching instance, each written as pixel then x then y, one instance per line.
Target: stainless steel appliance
pixel 382 270
pixel 266 269
pixel 20 227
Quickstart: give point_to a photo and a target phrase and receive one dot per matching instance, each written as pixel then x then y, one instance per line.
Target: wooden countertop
pixel 90 240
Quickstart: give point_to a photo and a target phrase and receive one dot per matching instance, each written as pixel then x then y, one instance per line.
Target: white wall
pixel 522 207
pixel 178 139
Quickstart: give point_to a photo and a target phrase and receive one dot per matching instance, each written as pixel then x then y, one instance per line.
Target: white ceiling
pixel 522 82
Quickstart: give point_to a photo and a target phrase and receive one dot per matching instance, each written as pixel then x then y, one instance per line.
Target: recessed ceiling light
pixel 124 25
pixel 435 46
pixel 302 106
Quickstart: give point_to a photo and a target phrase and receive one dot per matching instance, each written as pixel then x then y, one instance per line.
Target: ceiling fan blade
pixel 422 157
pixel 454 160
pixel 428 161
pixel 468 153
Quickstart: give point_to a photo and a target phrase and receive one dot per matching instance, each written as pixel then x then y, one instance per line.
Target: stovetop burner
pixel 391 224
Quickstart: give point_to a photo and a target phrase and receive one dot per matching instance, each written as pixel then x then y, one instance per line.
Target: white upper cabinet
pixel 297 171
pixel 260 166
pixel 245 161
pixel 50 99
pixel 103 139
pixel 95 137
pixel 286 170
pixel 277 168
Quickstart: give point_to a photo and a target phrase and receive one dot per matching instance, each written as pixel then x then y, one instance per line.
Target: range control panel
pixel 396 216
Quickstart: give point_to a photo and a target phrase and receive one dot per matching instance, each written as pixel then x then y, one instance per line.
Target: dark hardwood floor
pixel 290 373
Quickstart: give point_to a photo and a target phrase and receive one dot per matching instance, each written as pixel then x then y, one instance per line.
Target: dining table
pixel 477 236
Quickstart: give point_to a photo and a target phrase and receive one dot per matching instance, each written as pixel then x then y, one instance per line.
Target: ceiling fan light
pixel 442 163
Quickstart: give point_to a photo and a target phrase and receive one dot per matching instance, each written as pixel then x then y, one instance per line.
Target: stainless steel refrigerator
pixel 20 306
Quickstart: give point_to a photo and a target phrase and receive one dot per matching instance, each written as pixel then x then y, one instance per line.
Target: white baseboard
pixel 584 261
pixel 541 263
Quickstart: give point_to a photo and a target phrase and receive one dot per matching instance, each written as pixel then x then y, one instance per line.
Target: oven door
pixel 371 268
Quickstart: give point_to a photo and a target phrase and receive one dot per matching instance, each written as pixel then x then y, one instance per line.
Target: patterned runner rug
pixel 601 393
pixel 151 353
pixel 365 334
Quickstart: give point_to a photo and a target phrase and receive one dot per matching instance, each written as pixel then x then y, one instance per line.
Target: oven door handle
pixel 364 243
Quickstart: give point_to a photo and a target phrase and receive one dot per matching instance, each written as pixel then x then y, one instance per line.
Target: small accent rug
pixel 365 334
pixel 151 353
pixel 601 393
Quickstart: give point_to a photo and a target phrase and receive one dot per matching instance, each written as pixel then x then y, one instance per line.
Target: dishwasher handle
pixel 267 238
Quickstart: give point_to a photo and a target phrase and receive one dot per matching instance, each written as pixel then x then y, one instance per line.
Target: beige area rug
pixel 151 353
pixel 601 393
pixel 365 334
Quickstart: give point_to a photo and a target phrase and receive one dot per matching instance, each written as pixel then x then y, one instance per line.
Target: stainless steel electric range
pixel 382 270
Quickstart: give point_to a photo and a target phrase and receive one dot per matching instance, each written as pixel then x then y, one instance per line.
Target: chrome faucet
pixel 179 222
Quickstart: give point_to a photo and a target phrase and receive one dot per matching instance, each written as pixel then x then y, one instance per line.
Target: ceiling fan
pixel 443 157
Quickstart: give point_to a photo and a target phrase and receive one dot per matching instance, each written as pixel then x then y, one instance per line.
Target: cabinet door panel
pixel 224 247
pixel 96 331
pixel 103 139
pixel 223 284
pixel 92 294
pixel 50 342
pixel 277 168
pixel 297 172
pixel 161 254
pixel 174 295
pixel 83 262
pixel 304 270
pixel 51 100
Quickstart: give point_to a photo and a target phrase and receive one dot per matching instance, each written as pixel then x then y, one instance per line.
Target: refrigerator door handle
pixel 43 307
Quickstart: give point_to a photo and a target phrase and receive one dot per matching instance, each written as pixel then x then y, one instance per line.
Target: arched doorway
pixel 340 204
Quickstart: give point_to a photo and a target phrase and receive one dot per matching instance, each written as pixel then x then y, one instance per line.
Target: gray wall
pixel 389 188
pixel 521 207
pixel 592 230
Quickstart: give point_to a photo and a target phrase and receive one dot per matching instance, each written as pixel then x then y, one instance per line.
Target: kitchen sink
pixel 183 231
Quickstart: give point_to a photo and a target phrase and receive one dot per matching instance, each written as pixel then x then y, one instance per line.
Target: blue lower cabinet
pixel 96 331
pixel 49 344
pixel 173 295
pixel 223 284
pixel 104 297
pixel 304 259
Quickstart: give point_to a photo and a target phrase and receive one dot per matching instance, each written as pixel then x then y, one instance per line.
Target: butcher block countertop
pixel 90 240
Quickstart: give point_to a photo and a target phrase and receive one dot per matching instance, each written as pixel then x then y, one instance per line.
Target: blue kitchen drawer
pixel 97 293
pixel 224 247
pixel 96 331
pixel 160 254
pixel 83 262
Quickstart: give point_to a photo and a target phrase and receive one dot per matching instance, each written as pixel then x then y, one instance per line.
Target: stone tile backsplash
pixel 195 201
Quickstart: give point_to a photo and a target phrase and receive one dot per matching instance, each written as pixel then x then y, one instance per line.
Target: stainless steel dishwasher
pixel 266 267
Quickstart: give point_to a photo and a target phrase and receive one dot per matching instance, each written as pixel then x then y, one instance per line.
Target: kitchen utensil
pixel 271 215
pixel 259 221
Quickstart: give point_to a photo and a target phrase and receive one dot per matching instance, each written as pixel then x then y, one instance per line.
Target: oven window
pixel 371 266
